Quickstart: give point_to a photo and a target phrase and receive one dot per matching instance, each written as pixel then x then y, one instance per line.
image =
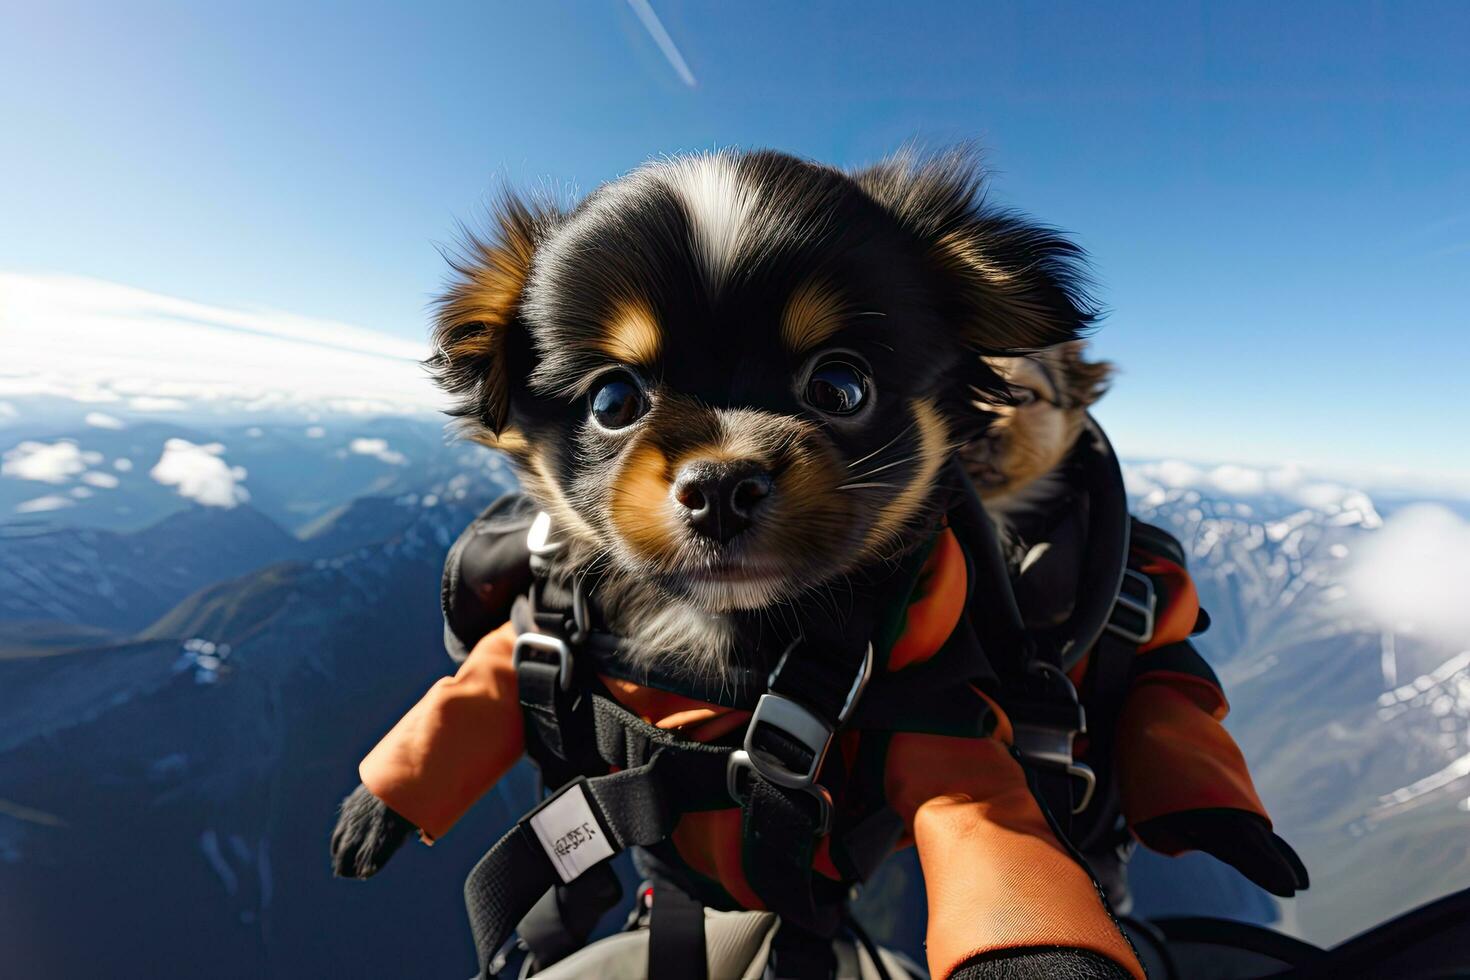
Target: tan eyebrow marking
pixel 633 335
pixel 933 449
pixel 813 314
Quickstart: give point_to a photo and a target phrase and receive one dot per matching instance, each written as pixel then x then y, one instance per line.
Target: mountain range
pixel 209 612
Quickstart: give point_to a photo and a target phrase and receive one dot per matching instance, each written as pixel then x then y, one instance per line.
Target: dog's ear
pixel 477 317
pixel 1012 286
pixel 1083 381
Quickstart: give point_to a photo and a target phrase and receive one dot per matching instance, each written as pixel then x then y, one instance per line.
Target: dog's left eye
pixel 618 402
pixel 837 388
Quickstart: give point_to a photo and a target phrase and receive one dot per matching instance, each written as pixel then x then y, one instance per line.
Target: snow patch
pixel 200 473
pixel 207 659
pixel 55 462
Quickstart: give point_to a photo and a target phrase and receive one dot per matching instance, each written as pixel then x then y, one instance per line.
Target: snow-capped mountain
pixel 206 754
pixel 220 543
pixel 1349 677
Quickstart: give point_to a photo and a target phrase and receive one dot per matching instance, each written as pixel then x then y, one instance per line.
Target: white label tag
pixel 570 834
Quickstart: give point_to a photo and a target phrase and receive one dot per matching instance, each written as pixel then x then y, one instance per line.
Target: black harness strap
pixel 560 923
pixel 635 807
pixel 574 728
pixel 676 948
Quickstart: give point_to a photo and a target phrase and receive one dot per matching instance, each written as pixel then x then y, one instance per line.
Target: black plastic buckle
pixel 1137 601
pixel 798 724
pixel 1051 744
pixel 541 648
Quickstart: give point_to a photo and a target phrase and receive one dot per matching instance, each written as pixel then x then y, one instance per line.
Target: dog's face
pixel 737 376
pixel 1035 425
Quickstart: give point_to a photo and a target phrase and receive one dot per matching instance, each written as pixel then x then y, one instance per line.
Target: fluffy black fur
pixel 366 835
pixel 710 252
pixel 681 279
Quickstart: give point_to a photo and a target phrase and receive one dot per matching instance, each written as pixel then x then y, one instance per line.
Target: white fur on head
pixel 719 205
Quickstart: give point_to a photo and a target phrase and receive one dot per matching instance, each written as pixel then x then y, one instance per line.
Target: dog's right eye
pixel 618 402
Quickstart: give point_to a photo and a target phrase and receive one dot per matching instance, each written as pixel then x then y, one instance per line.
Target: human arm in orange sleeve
pixel 1001 888
pixel 455 744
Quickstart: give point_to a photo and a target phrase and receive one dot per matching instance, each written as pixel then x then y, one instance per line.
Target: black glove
pixel 1242 840
pixel 366 835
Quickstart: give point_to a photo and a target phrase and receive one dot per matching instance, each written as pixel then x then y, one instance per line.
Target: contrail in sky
pixel 661 38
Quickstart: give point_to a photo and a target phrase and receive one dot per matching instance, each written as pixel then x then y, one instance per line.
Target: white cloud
pixel 1242 481
pixel 86 339
pixel 39 504
pixel 315 432
pixel 1234 480
pixel 101 420
pixel 1412 574
pixel 152 403
pixel 55 462
pixel 1176 474
pixel 377 448
pixel 200 473
pixel 105 481
pixel 7 411
pixel 122 465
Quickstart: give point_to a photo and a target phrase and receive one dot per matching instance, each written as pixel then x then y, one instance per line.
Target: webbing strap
pixel 562 920
pixel 1108 670
pixel 781 829
pixel 785 812
pixel 636 807
pixel 676 948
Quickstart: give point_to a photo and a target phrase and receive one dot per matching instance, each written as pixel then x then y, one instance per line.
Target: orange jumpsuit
pixel 996 876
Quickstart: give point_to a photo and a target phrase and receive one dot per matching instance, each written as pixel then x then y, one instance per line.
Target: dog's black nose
pixel 719 500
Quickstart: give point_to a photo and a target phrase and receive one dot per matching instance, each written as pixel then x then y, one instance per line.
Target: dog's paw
pixel 1240 839
pixel 366 835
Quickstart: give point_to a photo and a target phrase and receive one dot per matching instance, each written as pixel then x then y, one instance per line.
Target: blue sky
pixel 1276 196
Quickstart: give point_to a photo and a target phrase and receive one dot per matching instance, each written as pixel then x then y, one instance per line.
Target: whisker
pixel 902 432
pixel 888 466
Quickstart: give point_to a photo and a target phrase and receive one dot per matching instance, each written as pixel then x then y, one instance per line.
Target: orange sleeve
pixel 1174 755
pixel 1180 602
pixel 454 744
pixel 996 876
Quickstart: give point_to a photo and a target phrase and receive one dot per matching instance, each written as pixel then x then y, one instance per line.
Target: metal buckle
pixel 859 684
pixel 540 643
pixel 741 761
pixel 1144 605
pixel 799 724
pixel 1048 746
pixel 1051 745
pixel 538 538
